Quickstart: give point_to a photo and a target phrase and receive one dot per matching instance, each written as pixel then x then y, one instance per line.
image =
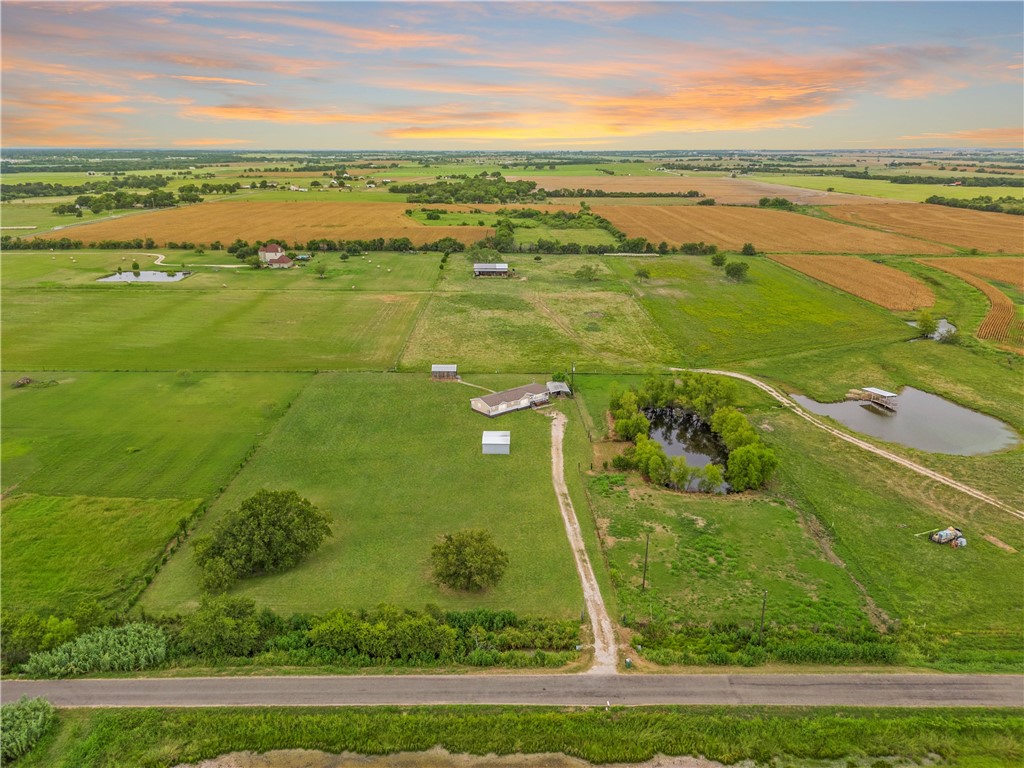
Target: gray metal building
pixel 497 443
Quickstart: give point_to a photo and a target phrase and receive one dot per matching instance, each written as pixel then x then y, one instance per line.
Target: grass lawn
pixel 395 459
pixel 713 320
pixel 25 213
pixel 711 557
pixel 540 322
pixel 880 188
pixel 59 550
pixel 128 434
pixel 146 327
pixel 527 231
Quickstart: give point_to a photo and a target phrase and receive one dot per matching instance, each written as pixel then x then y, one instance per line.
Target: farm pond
pixel 684 433
pixel 923 421
pixel 143 276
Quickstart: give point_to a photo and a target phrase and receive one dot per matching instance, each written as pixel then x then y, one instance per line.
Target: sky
pixel 511 75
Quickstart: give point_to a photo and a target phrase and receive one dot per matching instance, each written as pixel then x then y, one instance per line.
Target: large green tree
pixel 468 560
pixel 271 531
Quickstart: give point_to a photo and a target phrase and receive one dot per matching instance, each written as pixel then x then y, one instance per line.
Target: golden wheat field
pixel 988 232
pixel 769 230
pixel 292 221
pixel 723 190
pixel 1001 323
pixel 886 286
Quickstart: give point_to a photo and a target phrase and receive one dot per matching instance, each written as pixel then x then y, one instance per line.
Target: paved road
pixel 924 690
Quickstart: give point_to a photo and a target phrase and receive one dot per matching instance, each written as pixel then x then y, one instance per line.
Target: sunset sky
pixel 508 75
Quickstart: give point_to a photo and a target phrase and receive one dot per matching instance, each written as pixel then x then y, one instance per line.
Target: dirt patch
pixel 1001 544
pixel 434 758
pixel 606 451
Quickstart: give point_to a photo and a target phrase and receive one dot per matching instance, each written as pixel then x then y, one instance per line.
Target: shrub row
pixel 107 649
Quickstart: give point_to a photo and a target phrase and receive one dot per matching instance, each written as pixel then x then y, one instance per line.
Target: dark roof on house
pixel 279 260
pixel 510 395
pixel 271 248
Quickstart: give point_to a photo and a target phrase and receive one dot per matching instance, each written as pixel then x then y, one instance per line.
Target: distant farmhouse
pixel 273 256
pixel 491 270
pixel 516 399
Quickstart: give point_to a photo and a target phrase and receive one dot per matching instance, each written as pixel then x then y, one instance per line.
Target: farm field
pixel 880 284
pixel 220 329
pixel 988 232
pixel 711 558
pixel 526 230
pixel 378 478
pixel 1003 323
pixel 294 222
pixel 880 188
pixel 111 543
pixel 725 190
pixel 713 320
pixel 768 230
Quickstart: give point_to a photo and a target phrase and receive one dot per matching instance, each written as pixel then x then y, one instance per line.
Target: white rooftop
pixel 497 438
pixel 444 368
pixel 882 392
pixel 490 266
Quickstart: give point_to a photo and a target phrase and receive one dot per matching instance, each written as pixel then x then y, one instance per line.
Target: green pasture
pixel 711 558
pixel 879 188
pixel 527 231
pixel 129 435
pixel 147 327
pixel 25 213
pixel 541 320
pixel 372 450
pixel 61 550
pixel 714 320
pixel 474 169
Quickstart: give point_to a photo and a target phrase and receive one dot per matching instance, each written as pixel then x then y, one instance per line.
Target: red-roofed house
pixel 279 262
pixel 271 251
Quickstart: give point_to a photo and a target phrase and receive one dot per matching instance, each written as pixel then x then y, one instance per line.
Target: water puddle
pixel 144 276
pixel 684 433
pixel 923 421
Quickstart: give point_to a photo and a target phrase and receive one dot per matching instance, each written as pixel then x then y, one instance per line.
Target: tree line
pixel 43 189
pixel 1007 204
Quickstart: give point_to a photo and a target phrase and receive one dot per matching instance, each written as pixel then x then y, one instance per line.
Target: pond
pixel 923 421
pixel 684 433
pixel 145 276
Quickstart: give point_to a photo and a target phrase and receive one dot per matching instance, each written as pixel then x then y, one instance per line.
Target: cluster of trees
pixel 9 243
pixel 226 628
pixel 698 249
pixel 209 189
pixel 485 188
pixel 964 181
pixel 776 202
pixel 581 192
pixel 734 270
pixel 269 532
pixel 43 189
pixel 1007 204
pixel 120 200
pixel 750 463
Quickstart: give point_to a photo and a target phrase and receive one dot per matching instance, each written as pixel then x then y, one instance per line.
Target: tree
pixel 736 270
pixel 321 270
pixel 587 273
pixel 642 274
pixel 468 560
pixel 222 626
pixel 253 261
pixel 927 325
pixel 748 249
pixel 271 531
pixel 718 260
pixel 750 467
pixel 710 479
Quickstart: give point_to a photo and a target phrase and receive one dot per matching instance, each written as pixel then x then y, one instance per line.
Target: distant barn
pixel 490 270
pixel 496 443
pixel 442 372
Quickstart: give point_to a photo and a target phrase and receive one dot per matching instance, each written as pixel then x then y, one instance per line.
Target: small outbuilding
pixel 490 270
pixel 496 443
pixel 881 398
pixel 558 389
pixel 510 400
pixel 444 372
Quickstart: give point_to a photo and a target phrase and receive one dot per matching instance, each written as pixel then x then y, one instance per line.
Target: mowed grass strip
pixel 712 319
pixel 883 188
pixel 396 461
pixel 59 550
pixel 160 435
pixel 293 221
pixel 986 231
pixel 769 230
pixel 154 329
pixel 710 559
pixel 880 284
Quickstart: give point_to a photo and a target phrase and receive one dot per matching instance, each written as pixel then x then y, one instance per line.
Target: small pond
pixel 943 327
pixel 684 433
pixel 923 421
pixel 145 276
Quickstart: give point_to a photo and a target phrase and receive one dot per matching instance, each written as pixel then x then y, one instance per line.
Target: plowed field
pixel 877 283
pixel 990 232
pixel 1001 324
pixel 724 190
pixel 773 231
pixel 288 220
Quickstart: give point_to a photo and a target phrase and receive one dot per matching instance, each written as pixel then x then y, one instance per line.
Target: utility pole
pixel 574 378
pixel 643 587
pixel 764 602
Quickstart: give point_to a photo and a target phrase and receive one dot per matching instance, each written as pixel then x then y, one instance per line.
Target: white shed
pixel 497 443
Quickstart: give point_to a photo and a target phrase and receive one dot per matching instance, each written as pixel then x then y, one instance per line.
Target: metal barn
pixel 496 443
pixel 444 372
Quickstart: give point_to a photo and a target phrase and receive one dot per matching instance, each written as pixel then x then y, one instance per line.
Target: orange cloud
pixel 371 38
pixel 202 79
